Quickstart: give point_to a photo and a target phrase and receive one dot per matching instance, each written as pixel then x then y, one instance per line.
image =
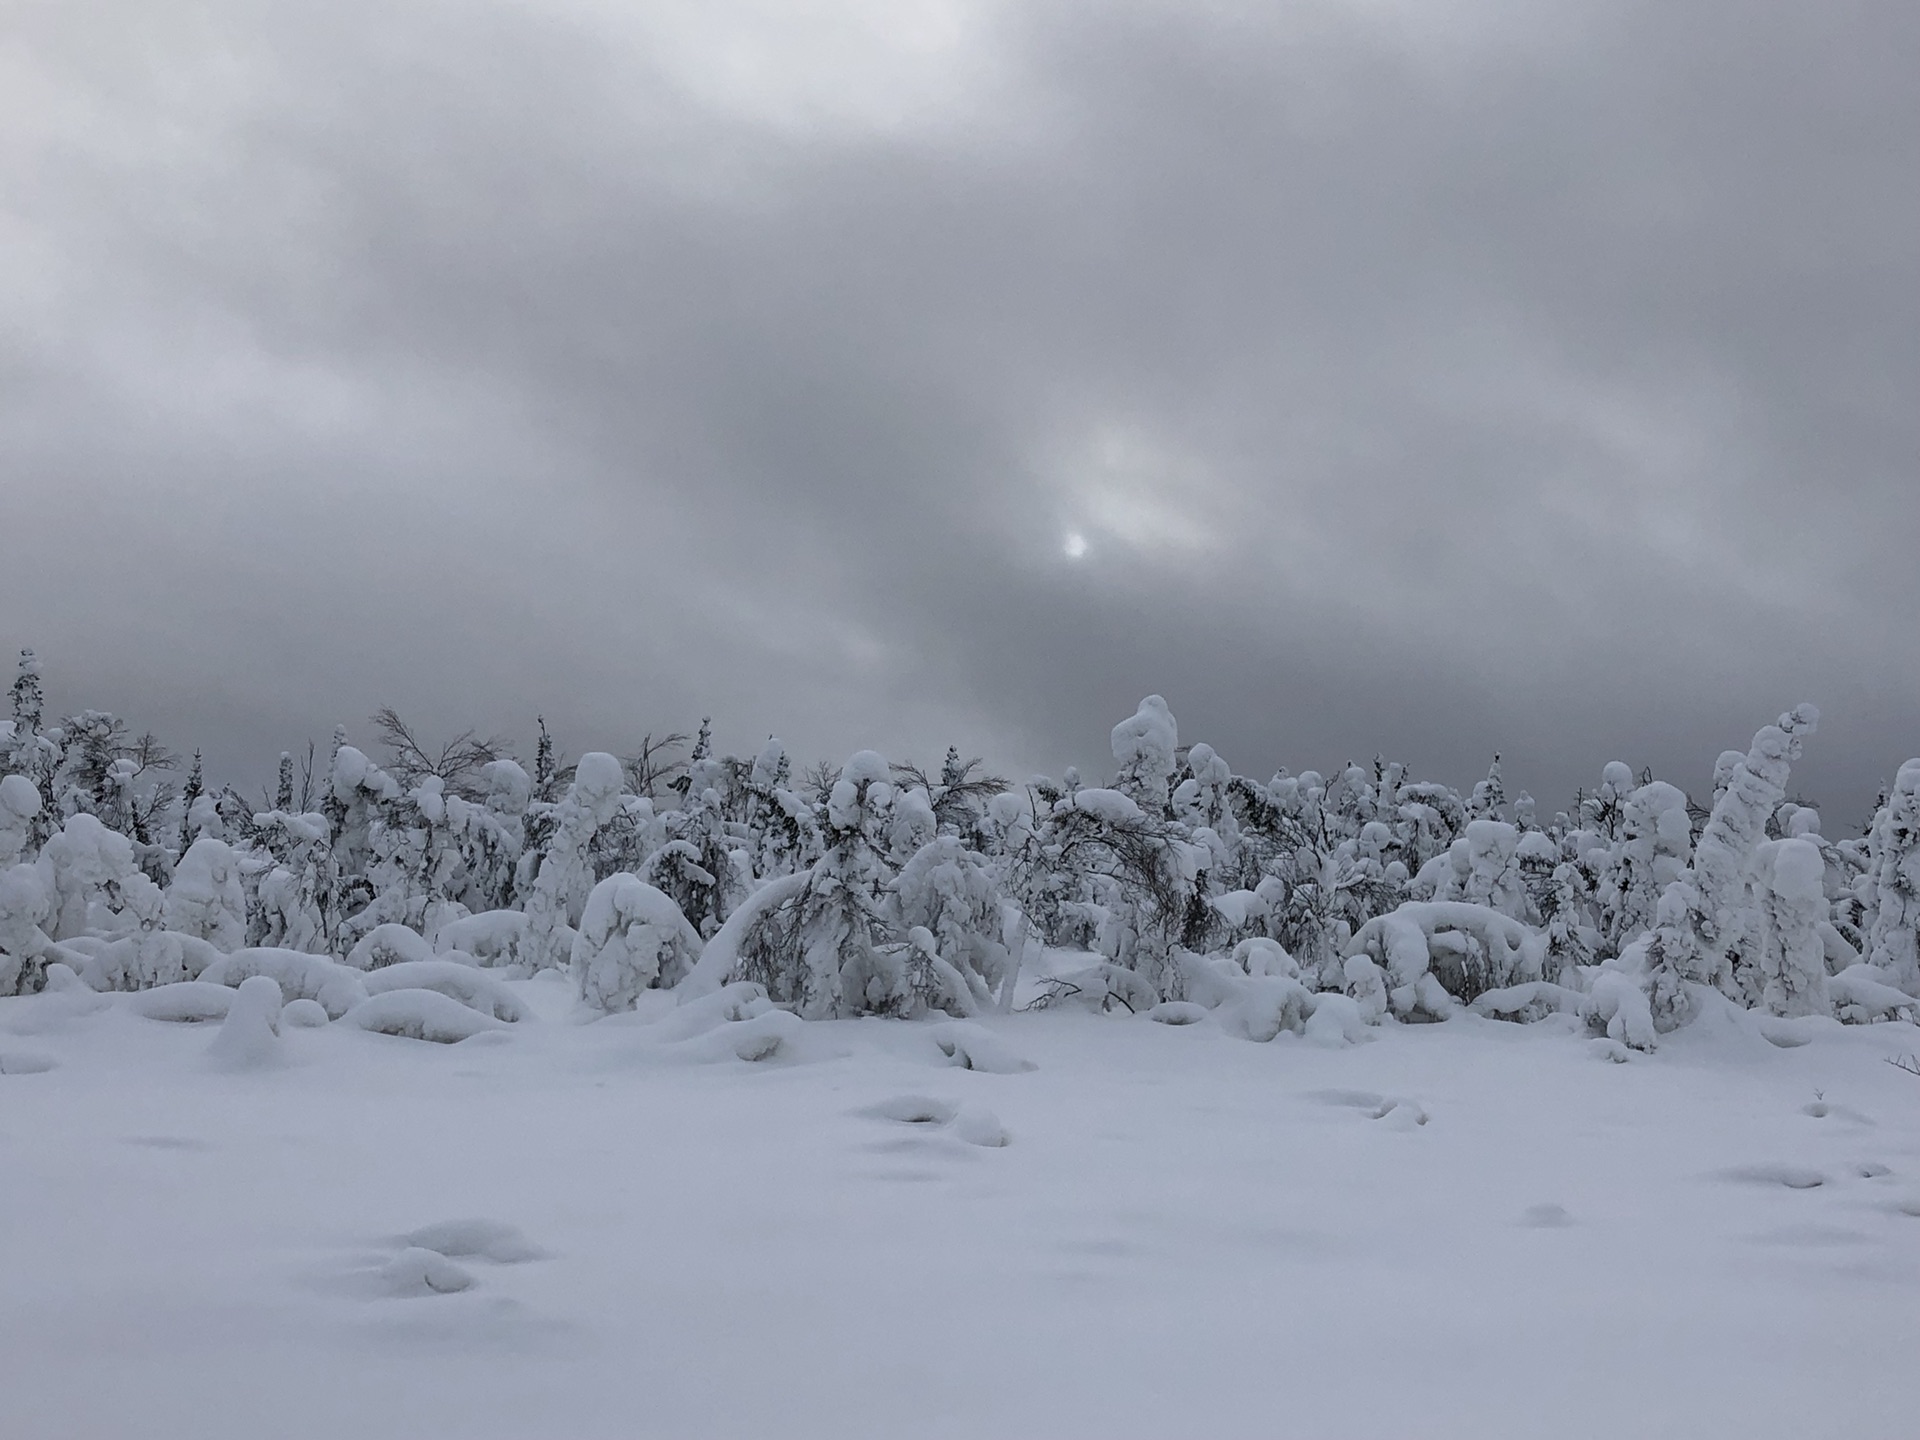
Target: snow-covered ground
pixel 1467 1229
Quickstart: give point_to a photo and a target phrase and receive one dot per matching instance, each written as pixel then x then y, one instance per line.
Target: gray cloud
pixel 1532 381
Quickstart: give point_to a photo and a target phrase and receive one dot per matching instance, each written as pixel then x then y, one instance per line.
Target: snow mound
pixel 26 1062
pixel 631 938
pixel 1177 1012
pixel 493 1240
pixel 742 1000
pixel 1862 992
pixel 979 1126
pixel 304 1014
pixel 1336 1021
pixel 1794 1177
pixel 975 1124
pixel 758 1037
pixel 419 1015
pixel 300 977
pixel 494 938
pixel 472 987
pixel 386 945
pixel 417 1272
pixel 147 959
pixel 974 1047
pixel 249 1038
pixel 188 1002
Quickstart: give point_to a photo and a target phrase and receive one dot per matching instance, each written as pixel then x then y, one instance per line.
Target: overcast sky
pixel 1366 376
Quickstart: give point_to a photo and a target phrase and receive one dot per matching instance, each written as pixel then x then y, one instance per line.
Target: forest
pixel 1309 902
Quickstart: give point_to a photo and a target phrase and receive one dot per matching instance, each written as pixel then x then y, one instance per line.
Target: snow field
pixel 1121 1228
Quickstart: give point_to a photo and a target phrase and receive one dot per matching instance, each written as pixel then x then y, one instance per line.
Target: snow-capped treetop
pixel 1144 747
pixel 19 807
pixel 1892 888
pixel 509 788
pixel 597 781
pixel 769 765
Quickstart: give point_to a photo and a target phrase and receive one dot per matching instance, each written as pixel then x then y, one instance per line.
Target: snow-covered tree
pixel 632 937
pixel 207 898
pixel 561 885
pixel 1892 883
pixel 1790 875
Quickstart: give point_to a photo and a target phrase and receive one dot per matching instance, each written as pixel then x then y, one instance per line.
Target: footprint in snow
pixel 417 1271
pixel 424 1262
pixel 1823 1110
pixel 1793 1177
pixel 974 1124
pixel 974 1047
pixel 26 1062
pixel 1400 1114
pixel 1546 1217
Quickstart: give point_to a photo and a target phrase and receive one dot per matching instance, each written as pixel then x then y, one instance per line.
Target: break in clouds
pixel 1531 380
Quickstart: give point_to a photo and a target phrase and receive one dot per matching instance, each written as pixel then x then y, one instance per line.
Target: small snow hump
pixel 979 1126
pixel 974 1047
pixel 420 1015
pixel 418 1271
pixel 304 1015
pixel 493 1240
pixel 1546 1216
pixel 1794 1177
pixel 249 1038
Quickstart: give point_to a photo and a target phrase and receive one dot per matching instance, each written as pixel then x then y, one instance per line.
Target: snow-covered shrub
pixel 19 808
pixel 419 1015
pixel 1862 993
pixel 388 945
pixel 1653 847
pixel 297 882
pixel 953 895
pixel 1144 747
pixel 1617 1007
pixel 1892 889
pixel 207 899
pixel 300 976
pixel 1793 906
pixel 25 908
pixel 561 885
pixel 1726 919
pixel 93 882
pixel 496 938
pixel 467 984
pixel 144 958
pixel 1455 948
pixel 632 937
pixel 190 1002
pixel 1709 925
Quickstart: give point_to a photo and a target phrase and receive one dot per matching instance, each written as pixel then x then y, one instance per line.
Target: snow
pixel 470 986
pixel 249 1037
pixel 387 945
pixel 300 977
pixel 420 1014
pixel 1473 1228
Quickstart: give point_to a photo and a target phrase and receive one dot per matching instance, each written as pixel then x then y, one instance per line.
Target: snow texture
pixel 420 1015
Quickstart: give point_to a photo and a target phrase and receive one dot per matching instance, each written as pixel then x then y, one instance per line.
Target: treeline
pixel 1333 900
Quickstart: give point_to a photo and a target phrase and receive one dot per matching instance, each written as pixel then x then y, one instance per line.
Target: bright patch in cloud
pixel 1075 545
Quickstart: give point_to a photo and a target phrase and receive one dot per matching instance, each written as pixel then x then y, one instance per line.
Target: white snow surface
pixel 1117 1229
